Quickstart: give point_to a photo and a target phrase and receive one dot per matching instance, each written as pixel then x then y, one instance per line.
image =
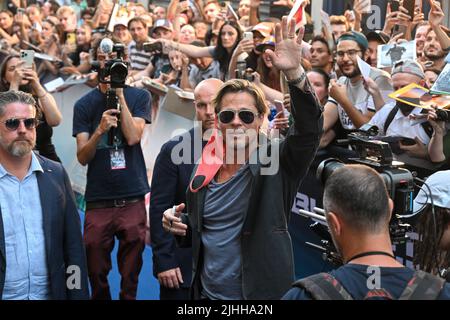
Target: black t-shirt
pixel 103 182
pixel 353 277
pixel 44 141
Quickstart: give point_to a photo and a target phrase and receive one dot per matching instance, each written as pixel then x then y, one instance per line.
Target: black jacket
pixel 266 248
pixel 169 185
pixel 62 232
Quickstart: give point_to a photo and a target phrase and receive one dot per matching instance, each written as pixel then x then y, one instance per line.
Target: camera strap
pixel 371 253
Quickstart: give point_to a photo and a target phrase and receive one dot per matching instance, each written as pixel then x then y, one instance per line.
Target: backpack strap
pixel 323 286
pixel 423 286
pixel 427 126
pixel 390 118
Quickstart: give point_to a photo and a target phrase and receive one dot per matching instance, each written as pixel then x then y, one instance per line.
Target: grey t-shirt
pixel 224 214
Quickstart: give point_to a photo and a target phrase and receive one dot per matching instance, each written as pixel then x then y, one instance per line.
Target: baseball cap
pixel 162 23
pixel 265 28
pixel 408 66
pixel 378 35
pixel 268 41
pixel 358 37
pixel 439 184
pixel 121 22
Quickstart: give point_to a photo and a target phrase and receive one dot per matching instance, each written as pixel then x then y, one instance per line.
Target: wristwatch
pixel 295 82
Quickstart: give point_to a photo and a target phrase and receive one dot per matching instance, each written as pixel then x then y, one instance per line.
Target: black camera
pixel 442 115
pixel 116 69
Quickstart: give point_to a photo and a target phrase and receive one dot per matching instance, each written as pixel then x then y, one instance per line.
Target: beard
pixel 351 74
pixel 440 54
pixel 20 148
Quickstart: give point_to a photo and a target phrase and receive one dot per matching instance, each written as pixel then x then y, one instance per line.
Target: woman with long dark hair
pixel 15 77
pixel 229 36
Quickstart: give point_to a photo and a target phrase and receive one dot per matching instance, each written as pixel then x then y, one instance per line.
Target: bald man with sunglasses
pixel 41 250
pixel 237 211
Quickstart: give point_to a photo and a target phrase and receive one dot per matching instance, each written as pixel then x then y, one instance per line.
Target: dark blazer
pixel 266 247
pixel 62 231
pixel 169 184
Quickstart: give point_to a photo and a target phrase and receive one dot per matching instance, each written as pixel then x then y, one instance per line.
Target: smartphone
pixel 279 105
pixel 21 10
pixel 71 38
pixel 153 47
pixel 410 5
pixel 224 4
pixel 395 5
pixel 28 57
pixel 248 35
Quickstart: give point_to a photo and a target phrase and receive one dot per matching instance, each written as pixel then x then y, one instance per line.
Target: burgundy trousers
pixel 100 227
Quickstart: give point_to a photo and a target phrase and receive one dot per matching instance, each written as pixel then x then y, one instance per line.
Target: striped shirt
pixel 139 59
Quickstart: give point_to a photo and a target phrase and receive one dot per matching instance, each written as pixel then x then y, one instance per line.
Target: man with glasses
pixel 354 100
pixel 237 212
pixel 41 250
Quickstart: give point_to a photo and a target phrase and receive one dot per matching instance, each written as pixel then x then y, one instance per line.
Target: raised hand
pixel 287 56
pixel 436 14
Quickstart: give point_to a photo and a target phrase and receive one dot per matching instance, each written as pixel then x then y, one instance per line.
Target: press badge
pixel 117 159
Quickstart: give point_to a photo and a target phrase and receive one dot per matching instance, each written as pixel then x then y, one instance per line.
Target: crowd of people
pixel 218 231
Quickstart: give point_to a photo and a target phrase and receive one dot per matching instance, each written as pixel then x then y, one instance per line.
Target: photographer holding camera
pixel 116 176
pixel 358 211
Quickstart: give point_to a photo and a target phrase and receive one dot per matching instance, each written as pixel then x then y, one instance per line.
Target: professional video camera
pixel 116 69
pixel 399 182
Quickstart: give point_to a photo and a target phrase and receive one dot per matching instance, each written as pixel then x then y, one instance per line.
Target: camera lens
pixel 326 168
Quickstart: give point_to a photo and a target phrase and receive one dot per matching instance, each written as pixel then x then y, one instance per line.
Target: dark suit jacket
pixel 169 185
pixel 62 231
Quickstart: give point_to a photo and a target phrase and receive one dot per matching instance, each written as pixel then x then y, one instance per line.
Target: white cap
pixel 439 184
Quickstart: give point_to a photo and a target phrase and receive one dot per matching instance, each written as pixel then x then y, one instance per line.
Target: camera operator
pixel 358 211
pixel 116 176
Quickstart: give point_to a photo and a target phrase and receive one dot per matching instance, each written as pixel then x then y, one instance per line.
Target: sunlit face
pixel 318 83
pixel 348 63
pixel 68 21
pixel 11 67
pixel 187 34
pixel 204 109
pixel 229 37
pixel 47 30
pixel 138 31
pixel 200 30
pixel 421 36
pixel 338 30
pixel 6 21
pixel 159 13
pixel 33 14
pixel 237 134
pixel 19 142
pixel 83 36
pixel 244 8
pixel 211 11
pixel 320 57
pixel 121 32
pixel 432 48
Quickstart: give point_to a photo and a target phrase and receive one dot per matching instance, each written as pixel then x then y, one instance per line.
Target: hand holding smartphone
pixel 27 56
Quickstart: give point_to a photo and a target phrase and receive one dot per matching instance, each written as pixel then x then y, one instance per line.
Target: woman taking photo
pixel 15 77
pixel 229 36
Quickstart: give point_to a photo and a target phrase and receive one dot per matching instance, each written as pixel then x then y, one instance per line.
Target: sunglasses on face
pixel 13 124
pixel 246 116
